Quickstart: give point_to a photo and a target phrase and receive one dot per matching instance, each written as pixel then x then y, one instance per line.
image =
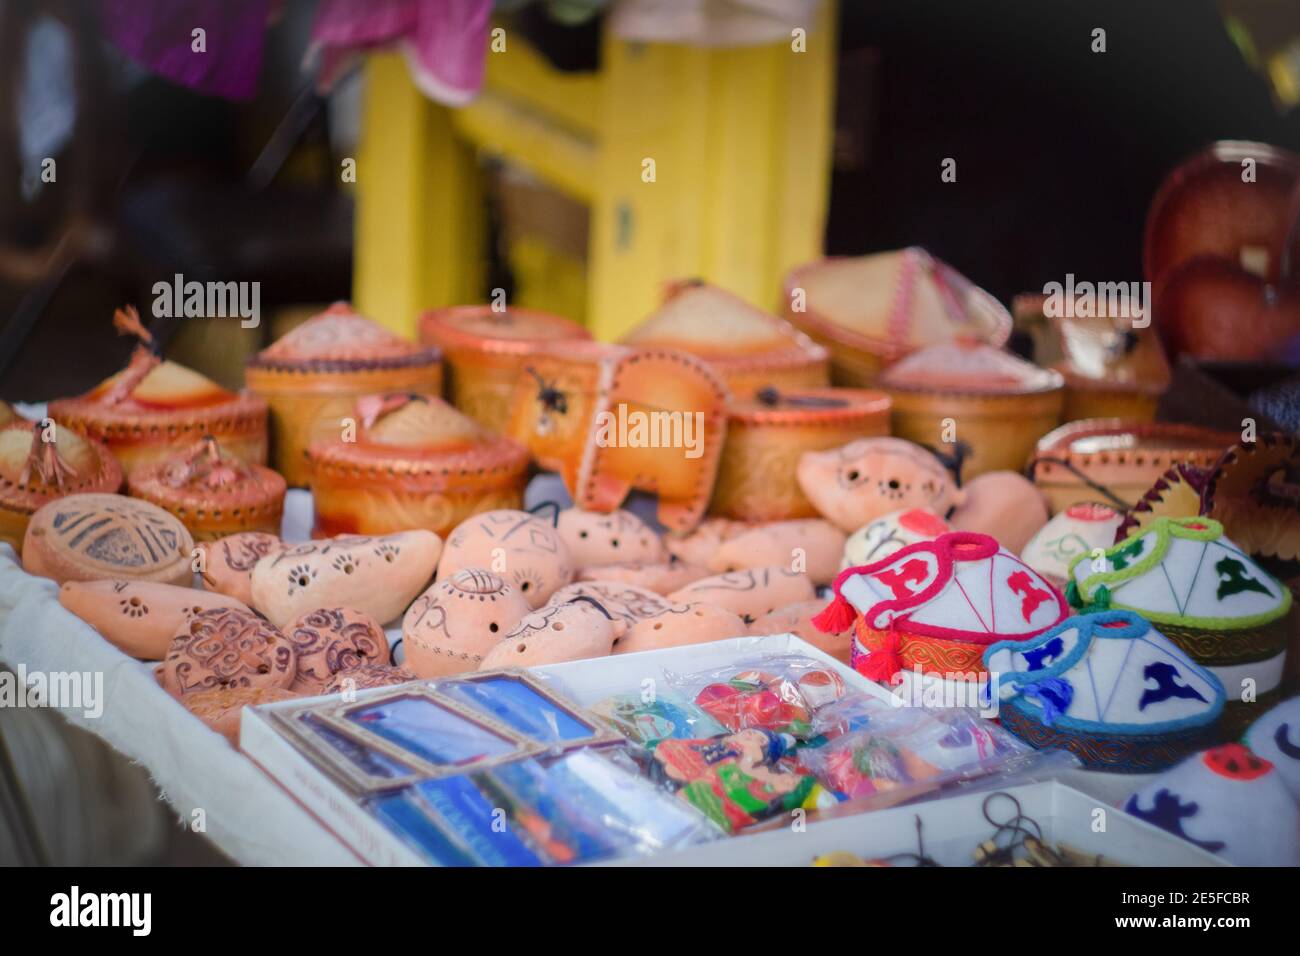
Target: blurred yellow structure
pixel 692 161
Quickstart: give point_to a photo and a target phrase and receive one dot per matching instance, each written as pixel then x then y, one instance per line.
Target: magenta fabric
pixel 445 41
pixel 158 34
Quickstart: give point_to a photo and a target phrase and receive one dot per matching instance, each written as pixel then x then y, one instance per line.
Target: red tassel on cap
pixel 881 665
pixel 836 618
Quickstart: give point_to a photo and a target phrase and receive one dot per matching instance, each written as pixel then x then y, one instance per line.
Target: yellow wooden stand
pixel 739 141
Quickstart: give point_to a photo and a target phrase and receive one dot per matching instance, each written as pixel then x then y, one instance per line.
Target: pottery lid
pixel 34 471
pixel 165 385
pixel 967 365
pixel 205 475
pixel 1090 437
pixel 416 422
pixel 486 328
pixel 812 405
pixel 340 339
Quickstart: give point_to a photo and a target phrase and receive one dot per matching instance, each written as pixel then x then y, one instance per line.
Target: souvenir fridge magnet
pixel 1209 598
pixel 1077 530
pixel 664 715
pixel 312 376
pixel 1000 403
pixel 211 493
pixel 40 462
pixel 873 310
pixel 1108 687
pixel 747 347
pixel 92 537
pixel 529 707
pixel 139 617
pixel 612 418
pixel 451 626
pixel 524 549
pixel 413 462
pixel 486 351
pixel 154 409
pixel 768 432
pixel 1229 802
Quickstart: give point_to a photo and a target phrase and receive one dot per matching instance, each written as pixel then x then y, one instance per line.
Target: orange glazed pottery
pixel 212 494
pixel 153 408
pixel 749 348
pixel 611 418
pixel 486 351
pixel 416 463
pixel 873 310
pixel 311 377
pixel 997 404
pixel 1120 460
pixel 34 472
pixel 767 434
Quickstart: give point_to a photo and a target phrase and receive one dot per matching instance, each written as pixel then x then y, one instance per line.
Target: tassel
pixel 836 618
pixel 1054 694
pixel 126 321
pixel 882 664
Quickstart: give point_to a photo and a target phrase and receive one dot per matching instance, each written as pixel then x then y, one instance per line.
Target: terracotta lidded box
pixel 416 463
pixel 767 434
pixel 872 310
pixel 212 493
pixel 612 418
pixel 997 404
pixel 749 348
pixel 486 351
pixel 34 471
pixel 154 408
pixel 311 377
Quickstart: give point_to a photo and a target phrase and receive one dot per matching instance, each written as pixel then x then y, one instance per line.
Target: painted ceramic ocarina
pixel 750 593
pixel 523 549
pixel 95 537
pixel 329 640
pixel 663 578
pixel 227 647
pixel 627 602
pixel 796 619
pixel 853 485
pixel 595 539
pixel 378 576
pixel 809 545
pixel 365 676
pixel 698 546
pixel 558 632
pixel 220 709
pixel 682 624
pixel 889 533
pixel 1003 504
pixel 228 562
pixel 139 617
pixel 455 622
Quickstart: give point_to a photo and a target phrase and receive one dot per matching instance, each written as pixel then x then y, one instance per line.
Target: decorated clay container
pixel 311 377
pixel 376 575
pixel 682 624
pixel 154 409
pixel 415 462
pixel 227 566
pixel 333 639
pixel 139 617
pixel 750 593
pixel 871 477
pixel 1117 459
pixel 212 493
pixel 525 550
pixel 812 546
pixel 225 648
pixel 618 537
pixel 453 624
pixel 997 404
pixel 34 471
pixel 612 418
pixel 749 348
pixel 1206 595
pixel 768 432
pixel 1079 529
pixel 883 536
pixel 873 310
pixel 573 631
pixel 92 537
pixel 486 351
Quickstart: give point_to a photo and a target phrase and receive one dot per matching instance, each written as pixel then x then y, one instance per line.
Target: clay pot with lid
pixel 312 376
pixel 416 463
pixel 486 351
pixel 34 471
pixel 154 408
pixel 212 494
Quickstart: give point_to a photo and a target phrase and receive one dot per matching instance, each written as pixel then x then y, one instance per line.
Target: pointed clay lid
pixel 340 339
pixel 483 328
pixel 967 365
pixel 204 476
pixel 712 323
pixel 419 423
pixel 33 471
